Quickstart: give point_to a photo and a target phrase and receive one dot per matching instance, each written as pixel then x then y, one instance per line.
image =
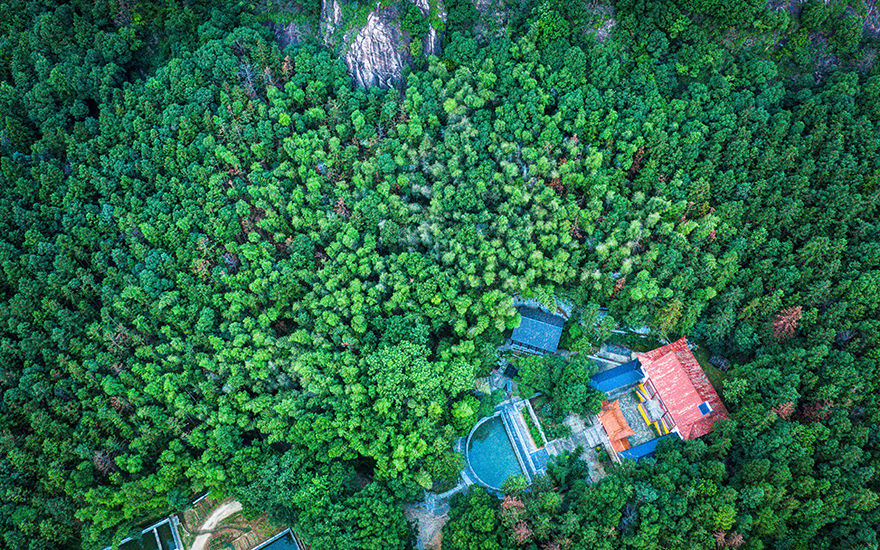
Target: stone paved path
pixel 430 530
pixel 587 437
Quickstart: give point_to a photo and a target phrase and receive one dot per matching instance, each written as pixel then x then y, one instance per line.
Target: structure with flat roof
pixel 620 376
pixel 159 536
pixel 642 451
pixel 285 540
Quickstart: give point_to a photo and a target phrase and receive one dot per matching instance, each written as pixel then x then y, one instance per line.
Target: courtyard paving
pixel 587 437
pixel 629 407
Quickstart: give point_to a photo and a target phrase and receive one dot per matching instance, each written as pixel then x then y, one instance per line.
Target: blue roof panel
pixel 540 458
pixel 618 377
pixel 643 450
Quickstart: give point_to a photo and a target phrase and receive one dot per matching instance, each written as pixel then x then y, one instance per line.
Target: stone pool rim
pixel 467 449
pixel 270 540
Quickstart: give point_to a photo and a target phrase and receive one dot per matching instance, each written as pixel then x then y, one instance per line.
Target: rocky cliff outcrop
pixel 375 53
pixel 492 20
pixel 292 33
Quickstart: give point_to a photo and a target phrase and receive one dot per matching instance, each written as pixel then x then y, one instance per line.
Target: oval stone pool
pixel 490 453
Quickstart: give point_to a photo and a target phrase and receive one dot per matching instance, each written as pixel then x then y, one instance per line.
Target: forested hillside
pixel 226 268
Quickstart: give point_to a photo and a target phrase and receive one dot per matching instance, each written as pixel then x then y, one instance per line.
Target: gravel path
pixel 217 515
pixel 430 526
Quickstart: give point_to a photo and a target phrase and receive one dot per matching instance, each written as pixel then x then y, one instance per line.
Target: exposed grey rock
pixel 603 13
pixel 292 33
pixel 377 52
pixel 872 18
pixel 331 19
pixel 432 43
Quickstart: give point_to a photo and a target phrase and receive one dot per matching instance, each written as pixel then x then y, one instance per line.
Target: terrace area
pixel 638 386
pixel 210 524
pixel 629 406
pixel 516 427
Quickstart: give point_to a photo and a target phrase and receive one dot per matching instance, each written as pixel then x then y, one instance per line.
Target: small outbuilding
pixel 538 332
pixel 644 450
pixel 163 535
pixel 615 425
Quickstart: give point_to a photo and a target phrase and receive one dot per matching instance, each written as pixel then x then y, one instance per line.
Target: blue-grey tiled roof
pixel 540 458
pixel 618 377
pixel 538 329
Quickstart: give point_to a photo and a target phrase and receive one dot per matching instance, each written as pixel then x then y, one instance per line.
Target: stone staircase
pixel 246 541
pixel 615 353
pixel 604 364
pixel 594 436
pixel 193 517
pixel 519 446
pixel 610 356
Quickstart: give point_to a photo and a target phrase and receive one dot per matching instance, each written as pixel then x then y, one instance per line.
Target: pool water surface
pixel 491 455
pixel 282 543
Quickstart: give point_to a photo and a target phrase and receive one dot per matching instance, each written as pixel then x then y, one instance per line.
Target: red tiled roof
pixel 682 386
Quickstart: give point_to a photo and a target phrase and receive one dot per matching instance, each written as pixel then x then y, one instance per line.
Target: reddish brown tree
pixel 786 322
pixel 575 230
pixel 104 462
pixel 784 410
pixel 618 286
pixel 341 208
pixel 636 164
pixel 522 532
pixel 816 411
pixel 511 502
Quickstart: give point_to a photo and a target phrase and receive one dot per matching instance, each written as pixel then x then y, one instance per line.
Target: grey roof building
pixel 538 332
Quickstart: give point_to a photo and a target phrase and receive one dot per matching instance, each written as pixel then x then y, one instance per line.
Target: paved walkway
pixel 522 445
pixel 432 513
pixel 616 353
pixel 583 434
pixel 610 356
pixel 587 437
pixel 603 363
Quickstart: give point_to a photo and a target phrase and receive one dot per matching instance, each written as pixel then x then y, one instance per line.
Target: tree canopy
pixel 225 268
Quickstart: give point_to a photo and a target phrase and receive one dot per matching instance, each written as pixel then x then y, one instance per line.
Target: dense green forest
pixel 227 268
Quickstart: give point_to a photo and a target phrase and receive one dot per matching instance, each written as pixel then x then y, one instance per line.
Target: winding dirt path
pixel 217 515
